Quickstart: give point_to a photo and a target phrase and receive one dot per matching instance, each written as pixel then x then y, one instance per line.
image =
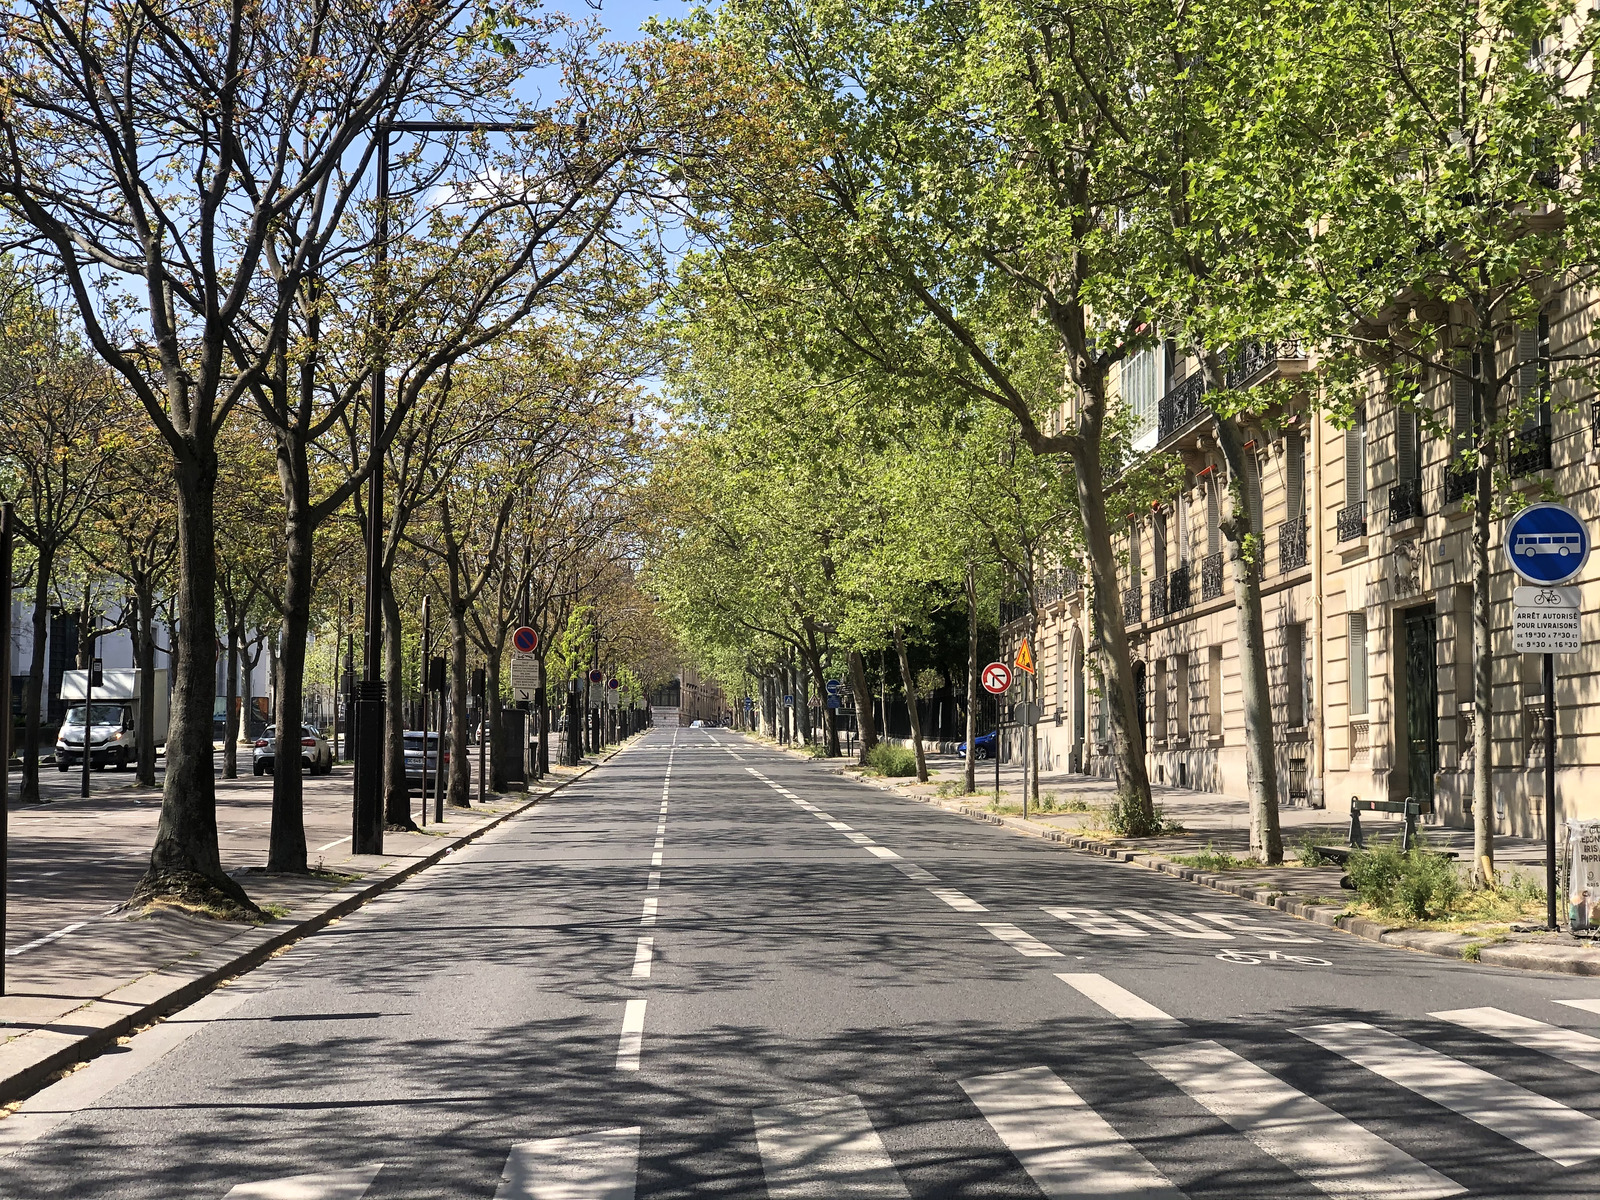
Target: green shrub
pixel 890 760
pixel 1412 883
pixel 1311 845
pixel 1125 819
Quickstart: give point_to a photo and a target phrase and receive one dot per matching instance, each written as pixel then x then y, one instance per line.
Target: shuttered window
pixel 1158 540
pixel 1358 664
pixel 1461 398
pixel 1183 527
pixel 1533 374
pixel 1355 460
pixel 1135 554
pixel 1213 518
pixel 1294 675
pixel 1295 489
pixel 1407 458
pixel 1252 492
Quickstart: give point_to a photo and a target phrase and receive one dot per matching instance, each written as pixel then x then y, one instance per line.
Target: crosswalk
pixel 828 1146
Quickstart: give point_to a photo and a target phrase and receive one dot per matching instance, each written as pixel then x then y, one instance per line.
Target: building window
pixel 1158 723
pixel 1214 692
pixel 1180 673
pixel 1355 460
pixel 1252 491
pixel 1295 471
pixel 1530 447
pixel 1294 676
pixel 1143 378
pixel 1357 658
pixel 1158 542
pixel 1213 518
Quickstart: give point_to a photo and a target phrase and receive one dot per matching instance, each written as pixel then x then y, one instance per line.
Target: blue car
pixel 982 746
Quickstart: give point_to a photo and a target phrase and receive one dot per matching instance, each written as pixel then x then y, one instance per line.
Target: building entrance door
pixel 1141 699
pixel 1422 701
pixel 1080 705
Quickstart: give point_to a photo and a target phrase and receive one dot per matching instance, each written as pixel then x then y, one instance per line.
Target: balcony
pixel 1253 358
pixel 1405 501
pixel 1158 597
pixel 1353 522
pixel 1211 576
pixel 1292 544
pixel 1178 591
pixel 1458 484
pixel 1132 605
pixel 1529 452
pixel 1180 406
pixel 1594 422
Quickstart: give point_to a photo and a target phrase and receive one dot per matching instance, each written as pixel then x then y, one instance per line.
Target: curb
pixel 1555 959
pixel 152 997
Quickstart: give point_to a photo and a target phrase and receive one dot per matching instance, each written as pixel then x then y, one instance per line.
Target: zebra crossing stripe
pixel 1329 1151
pixel 332 1185
pixel 1020 941
pixel 1115 999
pixel 1586 1005
pixel 1579 1049
pixel 1066 1147
pixel 1536 1122
pixel 825 1150
pixel 589 1166
pixel 1182 927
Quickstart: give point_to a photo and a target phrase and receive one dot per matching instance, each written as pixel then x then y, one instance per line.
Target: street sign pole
pixel 425 664
pixel 5 722
pixel 1550 789
pixel 997 749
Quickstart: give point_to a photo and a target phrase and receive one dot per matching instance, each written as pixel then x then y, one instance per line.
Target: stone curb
pixel 161 993
pixel 1557 959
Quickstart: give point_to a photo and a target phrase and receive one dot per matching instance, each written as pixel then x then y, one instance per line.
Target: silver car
pixel 414 759
pixel 316 756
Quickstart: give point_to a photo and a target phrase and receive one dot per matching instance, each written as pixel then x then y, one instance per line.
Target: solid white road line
pixel 334 1185
pixel 1579 1049
pixel 1327 1150
pixel 957 900
pixel 1065 1146
pixel 43 1111
pixel 642 955
pixel 1586 1005
pixel 651 904
pixel 1177 926
pixel 590 1166
pixel 825 1150
pixel 1115 999
pixel 912 871
pixel 1544 1126
pixel 632 1040
pixel 335 842
pixel 1020 941
pixel 49 937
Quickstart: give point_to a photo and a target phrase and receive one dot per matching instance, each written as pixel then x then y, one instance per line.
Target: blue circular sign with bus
pixel 1547 543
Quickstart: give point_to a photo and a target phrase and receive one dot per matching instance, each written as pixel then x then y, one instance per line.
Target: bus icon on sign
pixel 1564 544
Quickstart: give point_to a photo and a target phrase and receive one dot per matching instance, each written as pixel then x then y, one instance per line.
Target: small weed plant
pixel 1125 818
pixel 1311 845
pixel 1212 859
pixel 1413 884
pixel 894 761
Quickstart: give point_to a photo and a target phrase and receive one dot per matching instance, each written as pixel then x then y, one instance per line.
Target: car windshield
pixel 104 714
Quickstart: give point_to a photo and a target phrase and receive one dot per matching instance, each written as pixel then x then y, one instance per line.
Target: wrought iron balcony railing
pixel 1158 597
pixel 1529 451
pixel 1292 544
pixel 1594 422
pixel 1405 501
pixel 1180 406
pixel 1353 522
pixel 1254 357
pixel 1211 576
pixel 1458 484
pixel 1132 605
pixel 1178 588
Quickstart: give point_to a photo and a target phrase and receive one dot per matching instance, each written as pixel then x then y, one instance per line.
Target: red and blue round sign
pixel 525 639
pixel 596 676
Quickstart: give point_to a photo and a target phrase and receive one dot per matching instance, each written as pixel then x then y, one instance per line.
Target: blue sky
pixel 622 17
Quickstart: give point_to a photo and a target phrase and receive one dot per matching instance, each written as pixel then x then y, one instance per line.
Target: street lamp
pixel 367 726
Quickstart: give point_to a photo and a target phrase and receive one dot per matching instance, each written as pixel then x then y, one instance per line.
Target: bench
pixel 1411 809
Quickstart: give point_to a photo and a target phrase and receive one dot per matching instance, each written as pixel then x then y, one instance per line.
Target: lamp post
pixel 367 801
pixel 5 720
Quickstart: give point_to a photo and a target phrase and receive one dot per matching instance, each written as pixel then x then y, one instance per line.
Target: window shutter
pixel 1252 492
pixel 1355 461
pixel 1296 490
pixel 1358 664
pixel 1405 445
pixel 1213 519
pixel 1135 554
pixel 1158 543
pixel 1461 394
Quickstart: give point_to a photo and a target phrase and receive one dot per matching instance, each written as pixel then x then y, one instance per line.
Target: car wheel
pixel 260 770
pixel 61 765
pixel 122 760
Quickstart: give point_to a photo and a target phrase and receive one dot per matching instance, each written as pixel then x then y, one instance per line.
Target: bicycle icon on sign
pixel 1547 596
pixel 1254 960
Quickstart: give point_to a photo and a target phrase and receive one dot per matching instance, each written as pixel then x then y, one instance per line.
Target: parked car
pixel 982 746
pixel 111 738
pixel 316 755
pixel 414 758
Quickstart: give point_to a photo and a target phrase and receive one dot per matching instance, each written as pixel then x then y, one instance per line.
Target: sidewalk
pixel 79 974
pixel 1221 822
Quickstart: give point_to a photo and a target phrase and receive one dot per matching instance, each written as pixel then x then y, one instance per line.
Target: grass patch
pixel 1311 844
pixel 1126 818
pixel 1325 900
pixel 1417 890
pixel 815 750
pixel 275 911
pixel 896 762
pixel 1211 859
pixel 950 789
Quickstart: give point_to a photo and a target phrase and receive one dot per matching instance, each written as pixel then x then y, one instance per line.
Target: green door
pixel 1422 702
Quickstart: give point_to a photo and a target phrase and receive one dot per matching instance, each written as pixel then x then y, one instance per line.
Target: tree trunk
pixel 185 859
pixel 33 690
pixel 911 703
pixel 1135 812
pixel 864 717
pixel 1482 871
pixel 830 725
pixel 970 771
pixel 574 729
pixel 144 655
pixel 459 793
pixel 396 792
pixel 286 849
pixel 1245 552
pixel 230 723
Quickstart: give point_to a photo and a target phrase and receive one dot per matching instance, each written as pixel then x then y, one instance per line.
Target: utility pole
pixel 88 693
pixel 5 722
pixel 425 666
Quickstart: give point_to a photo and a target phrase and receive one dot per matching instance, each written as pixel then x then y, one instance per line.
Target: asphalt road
pixel 755 979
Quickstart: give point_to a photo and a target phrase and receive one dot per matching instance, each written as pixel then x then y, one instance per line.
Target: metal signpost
pixel 5 722
pixel 1547 545
pixel 1027 715
pixel 996 680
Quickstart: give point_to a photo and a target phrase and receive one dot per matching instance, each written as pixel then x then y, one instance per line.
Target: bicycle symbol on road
pixel 1254 960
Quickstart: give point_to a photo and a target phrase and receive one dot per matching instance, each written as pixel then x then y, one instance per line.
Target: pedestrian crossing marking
pixel 1092 920
pixel 1327 1150
pixel 957 900
pixel 1021 941
pixel 1115 999
pixel 1257 929
pixel 1067 1148
pixel 588 1166
pixel 1542 1125
pixel 1181 927
pixel 1579 1049
pixel 1586 1005
pixel 331 1185
pixel 825 1150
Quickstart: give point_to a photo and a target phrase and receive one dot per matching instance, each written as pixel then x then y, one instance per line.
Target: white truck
pixel 114 712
